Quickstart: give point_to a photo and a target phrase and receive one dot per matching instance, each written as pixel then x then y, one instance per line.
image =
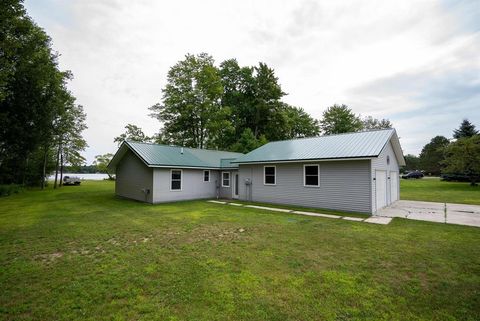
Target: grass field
pixel 79 253
pixel 434 190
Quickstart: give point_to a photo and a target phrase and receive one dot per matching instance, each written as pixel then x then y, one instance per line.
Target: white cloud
pixel 380 57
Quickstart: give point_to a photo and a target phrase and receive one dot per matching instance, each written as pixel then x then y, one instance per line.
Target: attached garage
pixel 385 175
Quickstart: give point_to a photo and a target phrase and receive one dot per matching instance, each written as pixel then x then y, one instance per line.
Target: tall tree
pixel 291 122
pixel 267 95
pixel 433 155
pixel 339 119
pixel 132 133
pixel 32 92
pixel 250 97
pixel 238 95
pixel 463 156
pixel 254 96
pixel 466 129
pixel 369 123
pixel 70 142
pixel 412 163
pixel 191 107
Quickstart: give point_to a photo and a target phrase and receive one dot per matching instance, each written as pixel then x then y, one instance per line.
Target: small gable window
pixel 176 180
pixel 388 159
pixel 311 175
pixel 225 179
pixel 206 176
pixel 269 173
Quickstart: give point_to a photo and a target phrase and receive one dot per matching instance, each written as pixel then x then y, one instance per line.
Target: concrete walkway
pixel 460 214
pixel 373 219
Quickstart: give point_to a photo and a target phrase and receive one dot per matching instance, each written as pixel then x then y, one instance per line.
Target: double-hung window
pixel 176 180
pixel 269 175
pixel 225 179
pixel 311 175
pixel 206 176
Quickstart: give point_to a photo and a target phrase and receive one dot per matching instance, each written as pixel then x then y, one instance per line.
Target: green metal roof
pixel 350 145
pixel 155 155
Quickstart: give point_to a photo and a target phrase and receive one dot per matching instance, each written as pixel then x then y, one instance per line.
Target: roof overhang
pixel 125 147
pixel 397 149
pixel 307 160
pixel 122 150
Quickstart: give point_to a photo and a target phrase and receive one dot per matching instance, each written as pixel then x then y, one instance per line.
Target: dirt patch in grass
pixel 49 258
pixel 209 233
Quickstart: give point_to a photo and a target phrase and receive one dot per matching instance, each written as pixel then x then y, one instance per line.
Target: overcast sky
pixel 414 62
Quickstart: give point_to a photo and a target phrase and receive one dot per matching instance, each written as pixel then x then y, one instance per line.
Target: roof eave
pixel 303 160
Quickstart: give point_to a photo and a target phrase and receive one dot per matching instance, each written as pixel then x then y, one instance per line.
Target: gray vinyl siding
pixel 344 185
pixel 226 192
pixel 132 175
pixel 193 186
pixel 380 163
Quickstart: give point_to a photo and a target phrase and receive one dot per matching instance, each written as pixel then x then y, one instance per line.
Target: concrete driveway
pixel 461 214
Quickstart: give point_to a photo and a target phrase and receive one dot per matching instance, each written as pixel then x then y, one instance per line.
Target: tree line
pixel 236 108
pixel 40 121
pixel 459 155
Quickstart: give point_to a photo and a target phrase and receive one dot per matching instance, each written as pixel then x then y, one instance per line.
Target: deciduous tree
pixel 463 156
pixel 132 133
pixel 339 119
pixel 369 123
pixel 101 163
pixel 433 155
pixel 191 106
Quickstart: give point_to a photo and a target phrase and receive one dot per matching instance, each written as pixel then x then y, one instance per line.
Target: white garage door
pixel 381 188
pixel 393 186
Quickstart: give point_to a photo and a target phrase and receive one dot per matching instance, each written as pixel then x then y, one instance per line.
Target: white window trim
pixel 181 180
pixel 275 176
pixel 304 176
pixel 208 176
pixel 229 179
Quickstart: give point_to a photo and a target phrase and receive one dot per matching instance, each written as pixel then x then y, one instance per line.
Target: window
pixel 176 180
pixel 311 175
pixel 206 176
pixel 269 175
pixel 225 179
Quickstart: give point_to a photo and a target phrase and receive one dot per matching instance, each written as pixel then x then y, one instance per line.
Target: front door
pixel 235 186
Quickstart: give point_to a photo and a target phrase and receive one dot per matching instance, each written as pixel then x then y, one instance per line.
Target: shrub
pixel 6 190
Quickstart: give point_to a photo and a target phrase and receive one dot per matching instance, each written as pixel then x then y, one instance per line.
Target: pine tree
pixel 466 129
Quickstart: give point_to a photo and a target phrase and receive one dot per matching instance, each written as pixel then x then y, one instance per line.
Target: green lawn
pixel 79 253
pixel 435 190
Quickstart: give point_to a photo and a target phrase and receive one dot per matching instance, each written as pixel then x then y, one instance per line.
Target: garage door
pixel 381 188
pixel 393 186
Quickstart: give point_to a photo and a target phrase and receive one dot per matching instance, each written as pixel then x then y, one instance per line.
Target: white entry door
pixel 393 187
pixel 381 189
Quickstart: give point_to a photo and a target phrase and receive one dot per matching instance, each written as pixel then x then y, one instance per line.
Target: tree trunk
pixel 24 174
pixel 61 170
pixel 56 166
pixel 44 170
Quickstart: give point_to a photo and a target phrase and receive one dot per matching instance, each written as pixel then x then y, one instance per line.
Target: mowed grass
pixel 79 253
pixel 435 190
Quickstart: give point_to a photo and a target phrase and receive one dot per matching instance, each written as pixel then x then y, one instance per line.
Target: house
pixel 356 172
pixel 159 173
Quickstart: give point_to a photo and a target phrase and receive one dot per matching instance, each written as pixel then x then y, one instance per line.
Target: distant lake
pixel 95 177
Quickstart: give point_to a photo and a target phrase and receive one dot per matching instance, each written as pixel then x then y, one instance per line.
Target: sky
pixel 415 62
